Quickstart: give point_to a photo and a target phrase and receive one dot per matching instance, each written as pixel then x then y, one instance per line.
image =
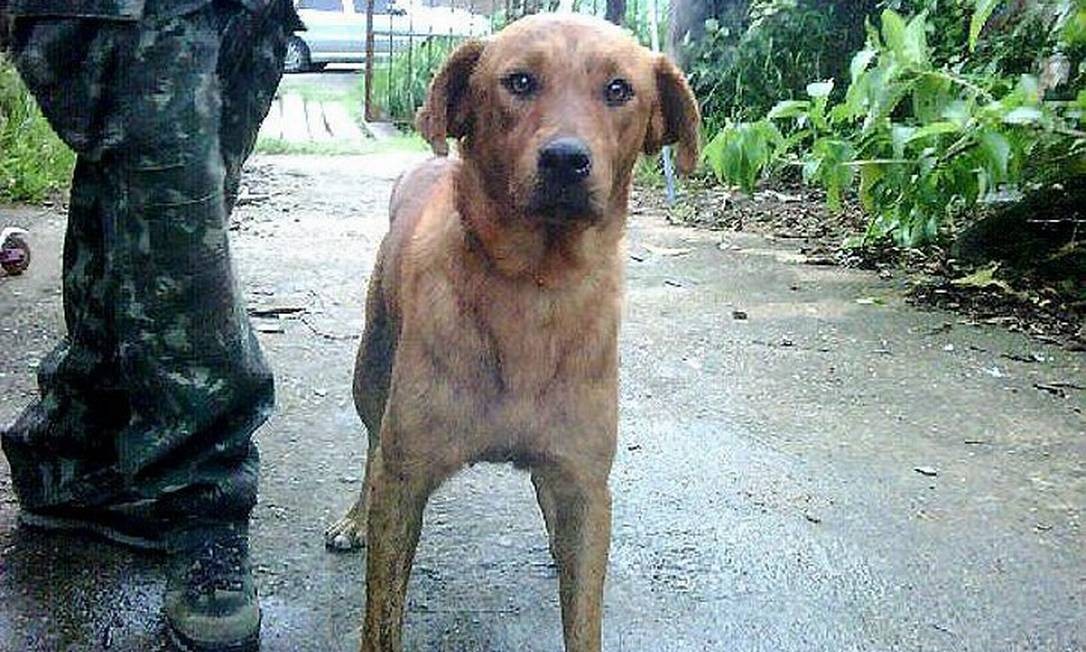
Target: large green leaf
pixel 900 136
pixel 982 11
pixel 870 175
pixel 995 150
pixel 741 152
pixel 893 32
pixel 959 112
pixel 916 42
pixel 788 109
pixel 827 165
pixel 861 61
pixel 819 90
pixel 1074 30
pixel 1024 115
pixel 930 97
pixel 933 129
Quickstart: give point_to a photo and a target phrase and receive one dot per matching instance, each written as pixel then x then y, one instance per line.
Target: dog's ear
pixel 446 112
pixel 675 118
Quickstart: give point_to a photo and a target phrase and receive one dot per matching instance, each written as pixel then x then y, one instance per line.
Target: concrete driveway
pixel 805 462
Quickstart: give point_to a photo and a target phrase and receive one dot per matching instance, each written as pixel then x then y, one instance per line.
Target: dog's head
pixel 553 112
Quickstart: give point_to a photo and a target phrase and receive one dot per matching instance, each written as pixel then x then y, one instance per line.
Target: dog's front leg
pixel 548 507
pixel 577 508
pixel 400 489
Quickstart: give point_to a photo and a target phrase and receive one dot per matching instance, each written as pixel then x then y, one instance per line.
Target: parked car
pixel 336 30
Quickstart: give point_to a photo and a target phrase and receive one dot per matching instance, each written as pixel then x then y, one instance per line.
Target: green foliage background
pixel 757 53
pixel 399 85
pixel 748 60
pixel 34 163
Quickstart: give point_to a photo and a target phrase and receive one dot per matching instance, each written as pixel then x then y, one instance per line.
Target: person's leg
pixel 198 384
pixel 163 117
pixel 187 366
pixel 60 437
pixel 197 380
pixel 61 448
pixel 152 398
pixel 172 336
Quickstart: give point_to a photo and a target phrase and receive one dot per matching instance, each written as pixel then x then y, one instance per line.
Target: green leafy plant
pixel 918 142
pixel 741 151
pixel 33 161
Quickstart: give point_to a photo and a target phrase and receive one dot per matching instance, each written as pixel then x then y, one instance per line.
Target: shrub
pixel 917 140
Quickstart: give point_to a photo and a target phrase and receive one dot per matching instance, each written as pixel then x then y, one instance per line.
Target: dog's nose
pixel 565 160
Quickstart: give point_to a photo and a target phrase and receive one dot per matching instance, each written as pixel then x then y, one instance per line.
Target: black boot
pixel 211 602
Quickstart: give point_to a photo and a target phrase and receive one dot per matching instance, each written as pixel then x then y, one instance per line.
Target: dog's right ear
pixel 446 113
pixel 676 118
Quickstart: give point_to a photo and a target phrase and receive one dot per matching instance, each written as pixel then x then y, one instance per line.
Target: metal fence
pixel 406 43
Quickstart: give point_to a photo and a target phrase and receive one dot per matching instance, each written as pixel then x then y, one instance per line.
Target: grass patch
pixel 404 143
pixel 34 163
pixel 311 89
pixel 350 95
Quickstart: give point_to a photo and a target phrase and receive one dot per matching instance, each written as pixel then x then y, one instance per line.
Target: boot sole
pixel 62 524
pixel 185 644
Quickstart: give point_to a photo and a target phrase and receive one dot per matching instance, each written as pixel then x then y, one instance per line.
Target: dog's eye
pixel 521 84
pixel 618 92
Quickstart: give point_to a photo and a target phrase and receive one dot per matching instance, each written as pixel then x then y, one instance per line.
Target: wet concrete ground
pixel 766 495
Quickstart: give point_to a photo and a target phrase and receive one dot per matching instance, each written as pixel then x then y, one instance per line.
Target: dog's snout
pixel 565 160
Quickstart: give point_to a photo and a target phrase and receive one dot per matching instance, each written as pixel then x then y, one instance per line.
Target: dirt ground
pixel 1026 276
pixel 806 462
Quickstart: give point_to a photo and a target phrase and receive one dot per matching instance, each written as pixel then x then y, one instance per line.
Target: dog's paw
pixel 345 535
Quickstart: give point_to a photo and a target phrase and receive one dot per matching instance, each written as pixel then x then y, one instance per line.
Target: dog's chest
pixel 545 343
pixel 506 363
pixel 507 349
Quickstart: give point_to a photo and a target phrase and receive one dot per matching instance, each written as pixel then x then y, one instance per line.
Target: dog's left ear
pixel 675 118
pixel 446 113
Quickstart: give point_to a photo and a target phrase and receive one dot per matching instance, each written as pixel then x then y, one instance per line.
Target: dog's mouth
pixel 564 204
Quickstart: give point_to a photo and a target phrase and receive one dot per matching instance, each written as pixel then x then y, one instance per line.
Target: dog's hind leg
pixel 580 525
pixel 373 368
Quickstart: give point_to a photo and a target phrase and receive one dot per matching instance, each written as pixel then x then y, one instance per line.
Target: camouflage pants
pixel 149 404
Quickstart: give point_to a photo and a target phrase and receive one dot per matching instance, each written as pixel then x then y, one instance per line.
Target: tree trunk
pixel 616 11
pixel 687 20
pixel 3 25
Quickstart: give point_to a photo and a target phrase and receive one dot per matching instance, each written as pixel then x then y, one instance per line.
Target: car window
pixel 379 6
pixel 322 5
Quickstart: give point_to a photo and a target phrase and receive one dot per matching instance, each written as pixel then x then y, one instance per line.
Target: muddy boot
pixel 211 602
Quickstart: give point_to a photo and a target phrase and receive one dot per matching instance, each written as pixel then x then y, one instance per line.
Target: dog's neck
pixel 518 247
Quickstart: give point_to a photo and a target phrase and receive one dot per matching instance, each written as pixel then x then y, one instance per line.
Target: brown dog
pixel 493 311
